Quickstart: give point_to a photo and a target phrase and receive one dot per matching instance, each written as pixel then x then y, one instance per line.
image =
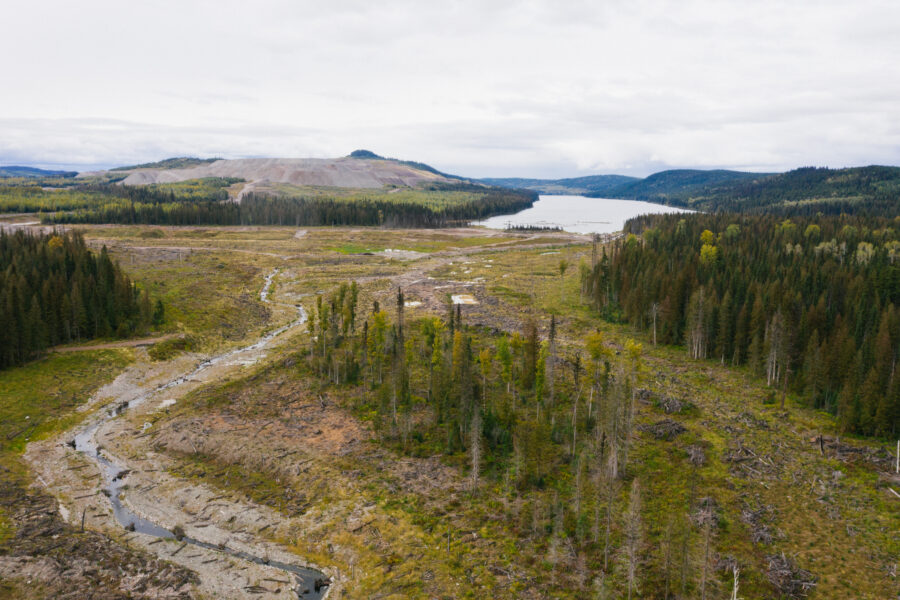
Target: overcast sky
pixel 479 88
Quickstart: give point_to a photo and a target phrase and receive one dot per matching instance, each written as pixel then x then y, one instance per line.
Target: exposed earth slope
pixel 338 172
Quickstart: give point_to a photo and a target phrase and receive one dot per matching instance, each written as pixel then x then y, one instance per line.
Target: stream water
pixel 310 582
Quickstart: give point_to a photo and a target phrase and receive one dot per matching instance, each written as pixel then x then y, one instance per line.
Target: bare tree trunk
pixel 475 446
pixel 784 387
pixel 590 402
pixel 609 497
pixel 707 519
pixel 610 481
pixel 667 557
pixel 633 536
pixel 575 422
pixel 707 532
pixel 686 541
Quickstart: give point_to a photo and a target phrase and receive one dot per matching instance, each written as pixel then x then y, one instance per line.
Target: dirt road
pixel 120 344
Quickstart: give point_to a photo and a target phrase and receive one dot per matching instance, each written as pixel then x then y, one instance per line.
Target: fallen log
pixel 180 548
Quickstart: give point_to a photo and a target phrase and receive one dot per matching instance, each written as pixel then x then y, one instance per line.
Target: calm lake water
pixel 579 214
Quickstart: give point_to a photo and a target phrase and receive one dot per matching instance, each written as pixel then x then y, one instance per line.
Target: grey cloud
pixel 506 87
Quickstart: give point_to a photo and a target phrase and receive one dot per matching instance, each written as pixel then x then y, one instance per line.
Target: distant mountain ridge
pixel 680 183
pixel 658 186
pixel 18 171
pixel 599 184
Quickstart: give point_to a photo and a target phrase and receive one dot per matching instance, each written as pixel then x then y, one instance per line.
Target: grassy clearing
pixel 40 399
pixel 168 349
pixel 191 285
pixel 355 249
pixel 191 292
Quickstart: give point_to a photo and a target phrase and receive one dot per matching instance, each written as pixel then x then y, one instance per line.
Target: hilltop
pixel 362 169
pixel 177 162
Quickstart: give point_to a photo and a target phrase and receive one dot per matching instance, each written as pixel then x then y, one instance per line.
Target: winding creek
pixel 310 583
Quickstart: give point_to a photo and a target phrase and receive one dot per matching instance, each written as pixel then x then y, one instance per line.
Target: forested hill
pixel 53 289
pixel 596 185
pixel 872 190
pixel 679 186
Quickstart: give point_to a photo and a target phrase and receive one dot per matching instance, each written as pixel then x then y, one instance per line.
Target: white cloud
pixel 474 87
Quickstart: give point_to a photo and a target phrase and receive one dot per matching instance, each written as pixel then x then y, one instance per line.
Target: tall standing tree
pixel 633 538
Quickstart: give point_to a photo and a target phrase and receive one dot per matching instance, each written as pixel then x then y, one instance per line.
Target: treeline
pixel 810 303
pixel 42 196
pixel 34 198
pixel 156 207
pixel 872 191
pixel 53 289
pixel 207 189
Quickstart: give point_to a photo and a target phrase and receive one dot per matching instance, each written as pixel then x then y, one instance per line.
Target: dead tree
pixel 475 445
pixel 633 537
pixel 654 312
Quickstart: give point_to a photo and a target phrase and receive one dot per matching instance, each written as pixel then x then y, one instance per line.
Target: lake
pixel 579 214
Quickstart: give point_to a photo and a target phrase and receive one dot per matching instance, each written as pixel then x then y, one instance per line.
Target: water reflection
pixel 579 214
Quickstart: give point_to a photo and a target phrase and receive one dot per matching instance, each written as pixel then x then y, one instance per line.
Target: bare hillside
pixel 337 172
